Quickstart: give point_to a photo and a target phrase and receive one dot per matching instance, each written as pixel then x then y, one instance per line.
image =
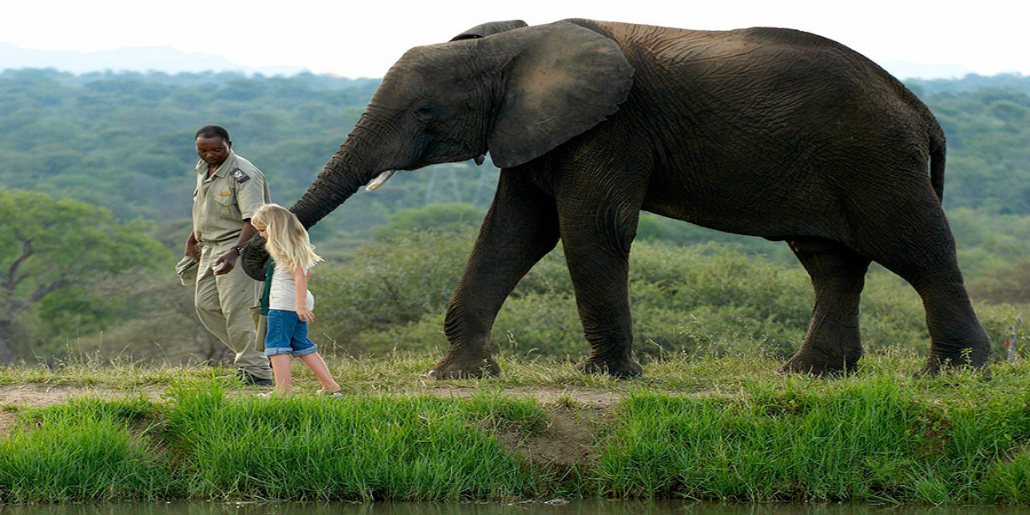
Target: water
pixel 552 508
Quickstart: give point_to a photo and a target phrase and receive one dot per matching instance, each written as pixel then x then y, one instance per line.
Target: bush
pixel 707 299
pixel 394 293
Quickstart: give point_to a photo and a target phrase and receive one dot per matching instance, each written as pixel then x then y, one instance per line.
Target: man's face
pixel 213 151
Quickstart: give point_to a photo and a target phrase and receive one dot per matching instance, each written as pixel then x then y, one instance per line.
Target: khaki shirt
pixel 231 195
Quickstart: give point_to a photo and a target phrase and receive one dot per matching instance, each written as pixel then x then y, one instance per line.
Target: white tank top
pixel 283 294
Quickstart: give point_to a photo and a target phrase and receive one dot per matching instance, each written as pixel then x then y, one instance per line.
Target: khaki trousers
pixel 229 306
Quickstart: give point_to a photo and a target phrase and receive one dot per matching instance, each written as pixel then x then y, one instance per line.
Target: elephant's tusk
pixel 479 159
pixel 379 180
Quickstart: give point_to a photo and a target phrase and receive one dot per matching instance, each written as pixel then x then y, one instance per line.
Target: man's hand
pixel 191 248
pixel 226 263
pixel 305 314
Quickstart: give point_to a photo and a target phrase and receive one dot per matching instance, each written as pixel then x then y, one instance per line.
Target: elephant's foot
pixel 939 361
pixel 465 367
pixel 620 367
pixel 811 362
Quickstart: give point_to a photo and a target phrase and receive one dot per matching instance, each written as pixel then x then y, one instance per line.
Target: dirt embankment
pixel 573 415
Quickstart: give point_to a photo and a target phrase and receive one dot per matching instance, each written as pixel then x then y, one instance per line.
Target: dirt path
pixel 35 395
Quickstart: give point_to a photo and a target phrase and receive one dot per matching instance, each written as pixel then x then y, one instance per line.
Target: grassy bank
pixel 699 428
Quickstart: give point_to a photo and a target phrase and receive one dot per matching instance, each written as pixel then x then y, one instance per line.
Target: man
pixel 229 190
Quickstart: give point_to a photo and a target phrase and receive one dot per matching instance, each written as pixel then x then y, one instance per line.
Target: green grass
pixel 709 428
pixel 869 439
pixel 365 448
pixel 85 450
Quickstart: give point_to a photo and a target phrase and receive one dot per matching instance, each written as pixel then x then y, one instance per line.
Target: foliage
pixel 58 130
pixel 125 141
pixel 1009 284
pixel 988 148
pixel 434 217
pixel 971 82
pixel 153 318
pixel 706 299
pixel 654 228
pixel 988 242
pixel 50 250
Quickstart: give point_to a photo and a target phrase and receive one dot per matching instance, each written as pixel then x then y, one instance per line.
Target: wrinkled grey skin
pixel 766 132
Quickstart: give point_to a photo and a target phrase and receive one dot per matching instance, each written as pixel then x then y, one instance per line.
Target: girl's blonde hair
pixel 287 242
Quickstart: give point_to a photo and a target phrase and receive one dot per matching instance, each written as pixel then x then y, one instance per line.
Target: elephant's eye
pixel 425 112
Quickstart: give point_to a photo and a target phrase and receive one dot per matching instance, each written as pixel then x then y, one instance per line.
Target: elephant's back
pixel 751 63
pixel 778 84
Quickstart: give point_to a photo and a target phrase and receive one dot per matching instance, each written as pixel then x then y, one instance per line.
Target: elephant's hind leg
pixel 520 228
pixel 832 344
pixel 922 251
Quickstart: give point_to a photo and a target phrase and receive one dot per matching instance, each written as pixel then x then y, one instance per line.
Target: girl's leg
pixel 317 365
pixel 307 351
pixel 281 326
pixel 281 370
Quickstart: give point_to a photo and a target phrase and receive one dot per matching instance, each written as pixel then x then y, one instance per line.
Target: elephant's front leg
pixel 520 228
pixel 597 233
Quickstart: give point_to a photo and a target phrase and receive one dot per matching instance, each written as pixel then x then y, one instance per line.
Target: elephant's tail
pixel 938 148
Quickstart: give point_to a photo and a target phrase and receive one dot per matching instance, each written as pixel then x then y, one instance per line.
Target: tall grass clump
pixel 354 448
pixel 982 436
pixel 85 450
pixel 867 440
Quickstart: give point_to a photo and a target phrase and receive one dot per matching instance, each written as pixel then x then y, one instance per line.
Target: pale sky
pixel 363 38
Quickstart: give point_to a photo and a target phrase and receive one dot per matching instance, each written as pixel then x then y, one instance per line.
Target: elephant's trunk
pixel 342 176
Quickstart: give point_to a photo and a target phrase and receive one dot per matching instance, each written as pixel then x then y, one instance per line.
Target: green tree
pixel 438 218
pixel 51 248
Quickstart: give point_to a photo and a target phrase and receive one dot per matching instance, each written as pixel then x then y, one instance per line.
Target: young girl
pixel 290 302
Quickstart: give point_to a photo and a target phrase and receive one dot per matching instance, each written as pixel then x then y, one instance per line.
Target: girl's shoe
pixel 274 395
pixel 337 393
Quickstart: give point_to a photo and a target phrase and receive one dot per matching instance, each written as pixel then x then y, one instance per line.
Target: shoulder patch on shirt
pixel 240 176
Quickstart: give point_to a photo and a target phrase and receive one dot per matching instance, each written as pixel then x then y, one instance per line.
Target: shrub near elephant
pixel 766 132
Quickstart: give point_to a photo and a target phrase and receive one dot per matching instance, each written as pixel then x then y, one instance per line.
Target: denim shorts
pixel 287 334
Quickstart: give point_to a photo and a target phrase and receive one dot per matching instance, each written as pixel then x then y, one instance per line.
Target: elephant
pixel 767 132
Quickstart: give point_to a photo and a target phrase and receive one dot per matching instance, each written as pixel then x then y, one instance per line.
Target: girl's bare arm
pixel 301 280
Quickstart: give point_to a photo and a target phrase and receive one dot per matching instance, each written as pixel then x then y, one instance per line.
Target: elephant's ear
pixel 487 29
pixel 560 80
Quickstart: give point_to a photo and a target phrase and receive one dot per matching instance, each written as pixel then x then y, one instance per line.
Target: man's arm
pixel 249 198
pixel 227 261
pixel 191 247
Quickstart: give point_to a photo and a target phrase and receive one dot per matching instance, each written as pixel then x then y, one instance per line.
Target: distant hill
pixel 905 70
pixel 170 60
pixel 140 59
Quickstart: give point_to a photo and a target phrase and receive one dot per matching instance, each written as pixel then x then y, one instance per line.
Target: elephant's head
pixel 504 88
